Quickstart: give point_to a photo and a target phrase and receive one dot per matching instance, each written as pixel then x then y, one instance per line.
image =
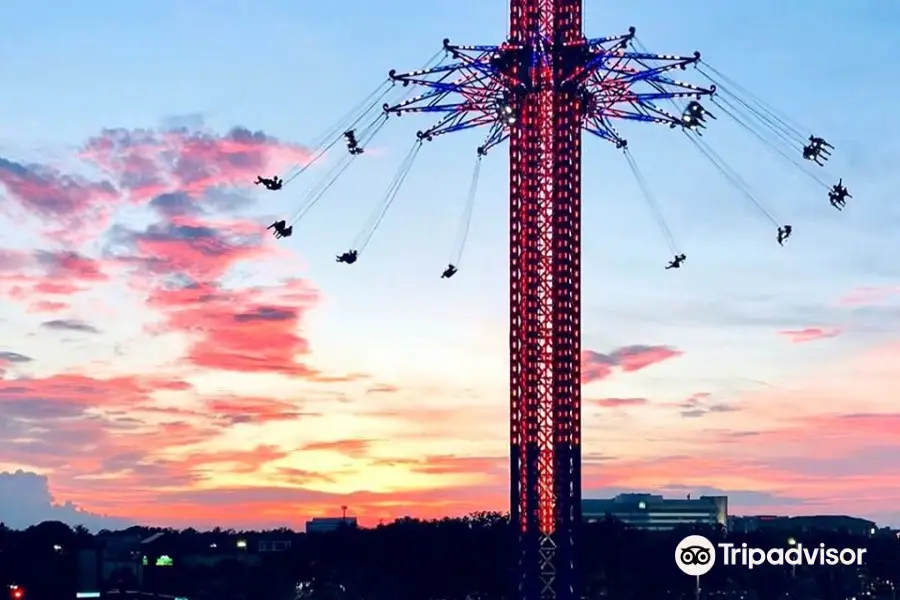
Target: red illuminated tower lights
pixel 545 302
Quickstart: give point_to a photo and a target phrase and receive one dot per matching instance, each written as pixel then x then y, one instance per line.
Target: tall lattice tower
pixel 545 294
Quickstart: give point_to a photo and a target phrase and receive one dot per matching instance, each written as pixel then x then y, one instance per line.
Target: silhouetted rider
pixel 273 184
pixel 677 262
pixel 449 272
pixel 820 143
pixel 348 257
pixel 817 150
pixel 784 233
pixel 838 195
pixel 694 116
pixel 812 153
pixel 352 143
pixel 281 229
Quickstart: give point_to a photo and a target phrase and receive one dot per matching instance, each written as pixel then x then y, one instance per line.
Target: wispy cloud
pixel 596 366
pixel 869 295
pixel 617 402
pixel 70 325
pixel 810 334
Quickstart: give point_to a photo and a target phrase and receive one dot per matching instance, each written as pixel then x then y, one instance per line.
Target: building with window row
pixel 653 512
pixel 327 524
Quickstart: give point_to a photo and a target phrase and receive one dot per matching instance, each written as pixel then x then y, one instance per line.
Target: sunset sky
pixel 280 385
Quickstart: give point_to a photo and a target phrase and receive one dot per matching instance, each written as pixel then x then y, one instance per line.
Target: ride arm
pixel 626 85
pixel 469 92
pixel 496 136
pixel 601 127
pixel 455 122
pixel 619 41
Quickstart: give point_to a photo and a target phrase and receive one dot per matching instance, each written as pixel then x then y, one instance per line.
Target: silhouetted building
pixel 326 524
pixel 835 523
pixel 120 561
pixel 160 562
pixel 650 511
pixel 274 545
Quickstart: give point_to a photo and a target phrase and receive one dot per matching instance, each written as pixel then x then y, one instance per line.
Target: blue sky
pixel 291 69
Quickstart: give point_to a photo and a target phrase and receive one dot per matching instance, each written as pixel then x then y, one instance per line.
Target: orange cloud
pixel 383 388
pixel 241 409
pixel 351 448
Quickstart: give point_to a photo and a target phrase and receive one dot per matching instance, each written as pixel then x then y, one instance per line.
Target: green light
pixel 164 561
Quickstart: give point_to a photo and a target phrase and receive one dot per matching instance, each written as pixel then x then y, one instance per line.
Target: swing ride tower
pixel 539 90
pixel 545 295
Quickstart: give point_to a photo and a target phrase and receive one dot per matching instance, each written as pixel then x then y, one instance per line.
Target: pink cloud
pixel 617 402
pixel 596 366
pixel 811 334
pixel 240 330
pixel 148 163
pixel 178 263
pixel 64 201
pixel 47 281
pixel 193 167
pixel 869 295
pixel 197 249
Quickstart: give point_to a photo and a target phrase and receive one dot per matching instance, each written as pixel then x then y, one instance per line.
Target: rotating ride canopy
pixel 538 91
pixel 627 83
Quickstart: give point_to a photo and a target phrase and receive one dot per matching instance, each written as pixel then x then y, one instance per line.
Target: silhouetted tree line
pixel 449 559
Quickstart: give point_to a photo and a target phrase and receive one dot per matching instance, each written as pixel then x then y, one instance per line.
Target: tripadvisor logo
pixel 695 555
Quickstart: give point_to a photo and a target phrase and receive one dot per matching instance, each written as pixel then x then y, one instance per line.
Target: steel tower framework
pixel 545 297
pixel 538 90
